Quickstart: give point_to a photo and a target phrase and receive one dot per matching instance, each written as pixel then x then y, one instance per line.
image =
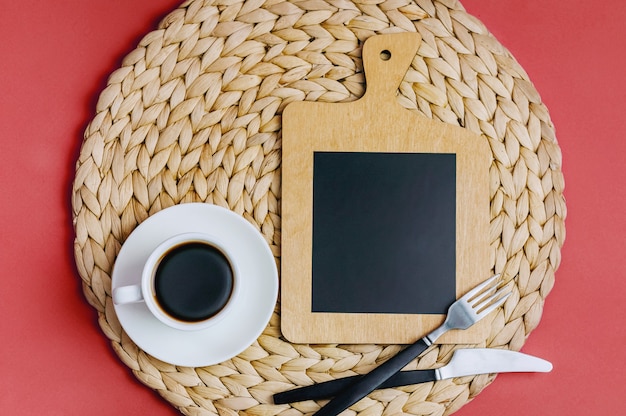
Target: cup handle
pixel 127 294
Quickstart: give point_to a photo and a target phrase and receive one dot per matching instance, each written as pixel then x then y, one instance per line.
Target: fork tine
pixel 480 287
pixel 486 306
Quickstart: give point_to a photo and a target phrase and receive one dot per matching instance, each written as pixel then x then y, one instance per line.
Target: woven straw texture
pixel 194 114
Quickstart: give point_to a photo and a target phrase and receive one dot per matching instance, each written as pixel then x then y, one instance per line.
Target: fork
pixel 465 312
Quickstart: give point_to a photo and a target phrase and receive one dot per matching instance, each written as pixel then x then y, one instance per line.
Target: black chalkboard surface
pixel 384 228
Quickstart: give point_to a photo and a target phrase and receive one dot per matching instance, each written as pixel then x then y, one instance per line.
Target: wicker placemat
pixel 193 114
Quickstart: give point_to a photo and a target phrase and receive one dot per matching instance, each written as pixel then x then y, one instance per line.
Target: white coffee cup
pixel 189 282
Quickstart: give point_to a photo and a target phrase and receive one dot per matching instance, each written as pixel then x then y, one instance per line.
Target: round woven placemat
pixel 193 114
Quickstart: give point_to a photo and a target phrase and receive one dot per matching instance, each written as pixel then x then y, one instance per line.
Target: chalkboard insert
pixel 384 232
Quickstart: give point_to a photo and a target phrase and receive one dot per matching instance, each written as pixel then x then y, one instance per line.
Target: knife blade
pixel 464 362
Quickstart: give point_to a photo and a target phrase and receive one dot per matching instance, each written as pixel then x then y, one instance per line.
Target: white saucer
pixel 237 330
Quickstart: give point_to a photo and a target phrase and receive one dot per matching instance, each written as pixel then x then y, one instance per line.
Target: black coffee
pixel 193 281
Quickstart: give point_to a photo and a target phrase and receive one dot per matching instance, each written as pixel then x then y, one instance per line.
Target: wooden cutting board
pixel 385 213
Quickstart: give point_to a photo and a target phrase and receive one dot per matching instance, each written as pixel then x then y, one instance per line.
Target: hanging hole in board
pixel 385 55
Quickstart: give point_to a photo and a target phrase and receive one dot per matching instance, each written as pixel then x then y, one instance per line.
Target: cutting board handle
pixel 386 59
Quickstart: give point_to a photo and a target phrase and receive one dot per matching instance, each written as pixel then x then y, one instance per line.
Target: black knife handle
pixel 370 381
pixel 329 389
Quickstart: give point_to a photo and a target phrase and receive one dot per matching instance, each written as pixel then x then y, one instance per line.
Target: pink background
pixel 54 60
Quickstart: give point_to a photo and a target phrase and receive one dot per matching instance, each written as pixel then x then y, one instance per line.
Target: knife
pixel 464 362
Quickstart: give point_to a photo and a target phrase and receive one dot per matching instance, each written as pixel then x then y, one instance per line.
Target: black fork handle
pixel 370 381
